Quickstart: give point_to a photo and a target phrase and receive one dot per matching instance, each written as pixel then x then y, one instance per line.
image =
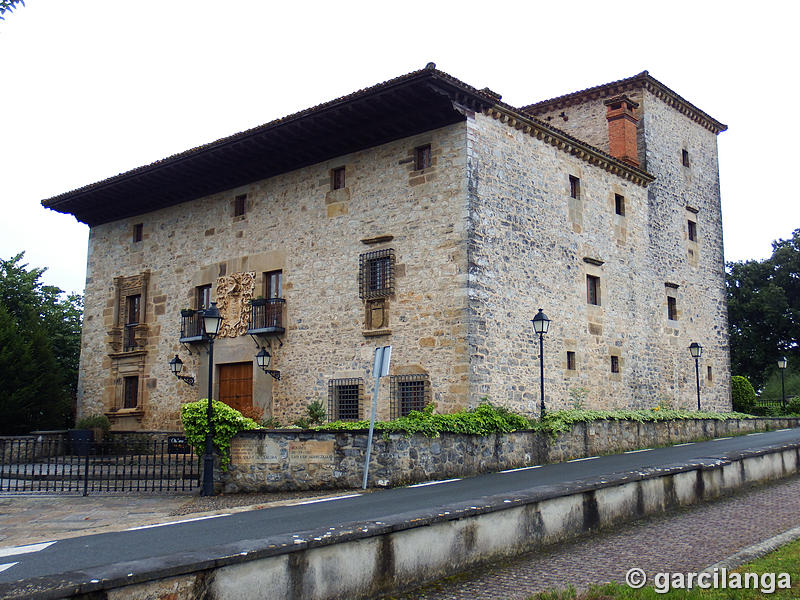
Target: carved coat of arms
pixel 234 293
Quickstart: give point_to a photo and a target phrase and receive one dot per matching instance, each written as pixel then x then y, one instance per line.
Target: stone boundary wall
pixel 276 460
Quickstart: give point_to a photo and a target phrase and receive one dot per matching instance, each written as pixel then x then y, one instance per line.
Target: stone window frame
pixel 423 157
pixel 571 360
pixel 709 374
pixel 615 364
pixel 239 206
pixel 408 392
pixel 619 205
pixel 138 233
pixel 338 178
pixel 672 308
pixel 593 290
pixel 349 390
pixel 130 392
pixel 376 274
pixel 691 230
pixel 685 158
pixel 575 187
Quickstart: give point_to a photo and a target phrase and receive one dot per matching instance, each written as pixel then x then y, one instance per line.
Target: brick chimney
pixel 622 129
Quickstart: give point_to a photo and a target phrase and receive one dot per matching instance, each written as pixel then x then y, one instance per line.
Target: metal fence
pixel 84 466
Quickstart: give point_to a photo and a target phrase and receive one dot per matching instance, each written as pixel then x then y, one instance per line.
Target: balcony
pixel 191 327
pixel 266 316
pixel 129 337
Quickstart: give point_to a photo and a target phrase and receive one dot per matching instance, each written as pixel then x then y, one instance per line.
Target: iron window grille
pixel 408 392
pixel 344 399
pixel 376 274
pixel 130 392
pixel 614 364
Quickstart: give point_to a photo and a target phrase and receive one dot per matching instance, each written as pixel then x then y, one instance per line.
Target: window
pixel 615 364
pixel 376 274
pixel 593 290
pixel 408 392
pixel 422 157
pixel 672 308
pixel 619 204
pixel 685 157
pixel 570 360
pixel 273 284
pixel 130 392
pixel 692 231
pixel 132 313
pixel 138 232
pixel 337 178
pixel 203 297
pixel 240 205
pixel 344 397
pixel 574 187
pixel 710 378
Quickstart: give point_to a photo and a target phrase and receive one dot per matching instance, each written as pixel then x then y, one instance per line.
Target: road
pixel 94 554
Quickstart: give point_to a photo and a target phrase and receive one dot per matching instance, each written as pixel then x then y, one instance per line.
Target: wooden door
pixel 236 385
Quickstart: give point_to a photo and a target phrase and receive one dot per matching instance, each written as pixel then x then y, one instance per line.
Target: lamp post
pixel 263 360
pixel 782 367
pixel 696 351
pixel 540 325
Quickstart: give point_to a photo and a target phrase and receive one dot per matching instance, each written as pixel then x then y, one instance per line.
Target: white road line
pixel 686 444
pixel 580 459
pixel 13 550
pixel 635 451
pixel 757 433
pixel 787 429
pixel 434 482
pixel 324 500
pixel 720 439
pixel 6 566
pixel 177 522
pixel 521 469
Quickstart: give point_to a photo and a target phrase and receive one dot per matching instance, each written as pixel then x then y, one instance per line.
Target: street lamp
pixel 782 367
pixel 263 359
pixel 211 322
pixel 175 366
pixel 540 325
pixel 696 351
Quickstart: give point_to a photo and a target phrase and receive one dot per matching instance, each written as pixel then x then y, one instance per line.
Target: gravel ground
pixel 687 540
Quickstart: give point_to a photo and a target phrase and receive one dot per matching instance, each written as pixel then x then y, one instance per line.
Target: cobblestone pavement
pixel 690 539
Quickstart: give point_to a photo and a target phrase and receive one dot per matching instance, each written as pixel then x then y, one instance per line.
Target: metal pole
pixel 541 372
pixel 697 375
pixel 371 430
pixel 783 392
pixel 208 457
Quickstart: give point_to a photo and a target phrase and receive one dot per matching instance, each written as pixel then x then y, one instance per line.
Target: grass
pixel 783 560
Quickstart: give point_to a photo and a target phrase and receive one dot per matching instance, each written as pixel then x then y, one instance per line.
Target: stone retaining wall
pixel 301 460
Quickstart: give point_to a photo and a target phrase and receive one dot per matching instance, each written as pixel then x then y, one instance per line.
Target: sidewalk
pixel 689 540
pixel 28 519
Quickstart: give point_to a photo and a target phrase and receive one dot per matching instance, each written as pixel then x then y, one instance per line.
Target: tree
pixel 8 6
pixel 39 350
pixel 764 310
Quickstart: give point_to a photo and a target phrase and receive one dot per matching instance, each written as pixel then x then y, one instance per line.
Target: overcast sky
pixel 97 87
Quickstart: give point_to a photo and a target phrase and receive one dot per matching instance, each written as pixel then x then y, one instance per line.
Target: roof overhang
pixel 402 107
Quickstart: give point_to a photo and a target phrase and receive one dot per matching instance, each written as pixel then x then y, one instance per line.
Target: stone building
pixel 429 215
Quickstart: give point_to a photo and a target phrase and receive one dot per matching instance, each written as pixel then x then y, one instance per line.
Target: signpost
pixel 380 368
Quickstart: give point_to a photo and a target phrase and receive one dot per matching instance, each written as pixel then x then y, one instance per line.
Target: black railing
pixel 129 340
pixel 192 327
pixel 266 316
pixel 83 466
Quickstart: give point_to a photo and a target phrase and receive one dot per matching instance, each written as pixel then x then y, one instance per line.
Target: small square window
pixel 138 232
pixel 408 392
pixel 615 364
pixel 337 178
pixel 692 231
pixel 422 157
pixel 619 204
pixel 685 157
pixel 672 308
pixel 240 205
pixel 574 187
pixel 593 290
pixel 376 274
pixel 570 360
pixel 130 392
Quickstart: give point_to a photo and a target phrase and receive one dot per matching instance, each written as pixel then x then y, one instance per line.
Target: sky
pixel 95 88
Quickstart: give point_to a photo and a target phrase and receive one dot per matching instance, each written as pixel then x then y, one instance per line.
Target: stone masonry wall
pixel 291 460
pixel 296 223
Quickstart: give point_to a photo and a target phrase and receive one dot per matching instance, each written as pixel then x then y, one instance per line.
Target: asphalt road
pixel 92 555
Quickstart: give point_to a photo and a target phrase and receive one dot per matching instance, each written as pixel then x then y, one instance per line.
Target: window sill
pixel 376 332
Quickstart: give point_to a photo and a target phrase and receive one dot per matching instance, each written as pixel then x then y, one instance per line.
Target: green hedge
pixel 227 423
pixel 742 394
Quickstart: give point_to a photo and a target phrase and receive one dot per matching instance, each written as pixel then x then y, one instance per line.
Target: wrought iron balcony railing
pixel 129 337
pixel 192 327
pixel 266 316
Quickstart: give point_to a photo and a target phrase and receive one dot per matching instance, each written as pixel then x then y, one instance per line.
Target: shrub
pixel 93 422
pixel 227 423
pixel 316 413
pixel 793 406
pixel 270 423
pixel 743 394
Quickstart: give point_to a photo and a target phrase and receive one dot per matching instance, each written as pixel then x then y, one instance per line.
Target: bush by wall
pixel 227 423
pixel 743 394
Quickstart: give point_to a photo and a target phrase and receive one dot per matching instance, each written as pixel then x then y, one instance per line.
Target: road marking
pixel 720 439
pixel 686 444
pixel 758 433
pixel 6 566
pixel 635 451
pixel 13 550
pixel 177 522
pixel 434 482
pixel 580 459
pixel 521 469
pixel 787 429
pixel 315 501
